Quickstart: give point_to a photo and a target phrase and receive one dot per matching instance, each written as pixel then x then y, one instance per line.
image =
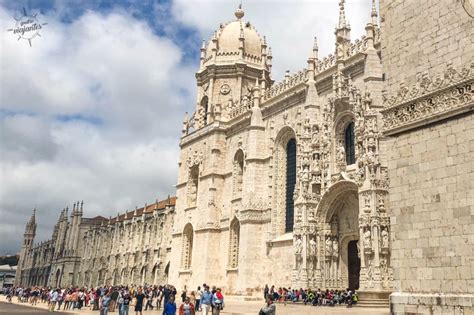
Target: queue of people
pixel 123 299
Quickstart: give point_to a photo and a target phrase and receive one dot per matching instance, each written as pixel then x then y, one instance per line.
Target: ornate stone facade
pixel 291 178
pixel 131 248
pixel 428 123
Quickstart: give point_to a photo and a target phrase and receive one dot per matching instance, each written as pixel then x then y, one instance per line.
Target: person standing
pixel 53 299
pixel 104 306
pixel 217 302
pixel 198 298
pixel 170 307
pixel 269 308
pixel 206 301
pixel 187 308
pixel 139 296
pixel 125 304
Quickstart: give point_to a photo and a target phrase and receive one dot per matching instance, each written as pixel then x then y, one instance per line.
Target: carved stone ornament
pixel 430 98
pixel 468 5
pixel 225 89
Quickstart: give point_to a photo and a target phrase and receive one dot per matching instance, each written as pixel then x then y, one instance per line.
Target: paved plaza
pixel 232 308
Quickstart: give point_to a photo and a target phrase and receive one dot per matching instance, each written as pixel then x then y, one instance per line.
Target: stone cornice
pixel 429 100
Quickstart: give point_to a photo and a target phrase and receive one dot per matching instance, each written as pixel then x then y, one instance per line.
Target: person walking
pixel 206 301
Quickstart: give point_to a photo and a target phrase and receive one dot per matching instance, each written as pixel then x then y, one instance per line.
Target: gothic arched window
pixel 205 108
pixel 290 183
pixel 187 247
pixel 238 172
pixel 349 144
pixel 234 244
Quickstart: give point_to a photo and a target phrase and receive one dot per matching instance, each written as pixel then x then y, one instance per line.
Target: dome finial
pixel 239 13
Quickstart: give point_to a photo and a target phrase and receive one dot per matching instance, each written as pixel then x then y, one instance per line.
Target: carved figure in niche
pixel 367 239
pixel 298 246
pixel 335 247
pixel 384 238
pixel 328 245
pixel 315 165
pixel 307 129
pixel 367 203
pixel 367 100
pixel 312 247
pixel 358 249
pixel 381 204
pixel 341 153
pixel 369 271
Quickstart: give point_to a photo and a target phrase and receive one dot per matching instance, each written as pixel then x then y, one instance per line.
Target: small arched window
pixel 205 108
pixel 187 247
pixel 349 144
pixel 290 183
pixel 234 244
pixel 238 172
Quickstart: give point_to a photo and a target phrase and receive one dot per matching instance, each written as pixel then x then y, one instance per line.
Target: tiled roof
pixel 157 205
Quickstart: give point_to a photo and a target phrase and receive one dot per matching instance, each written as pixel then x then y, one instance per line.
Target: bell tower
pixel 28 238
pixel 232 63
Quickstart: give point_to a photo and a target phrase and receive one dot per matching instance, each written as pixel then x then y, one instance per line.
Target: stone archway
pixel 338 214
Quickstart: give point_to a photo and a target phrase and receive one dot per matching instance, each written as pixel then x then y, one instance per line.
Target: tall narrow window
pixel 349 144
pixel 234 244
pixel 290 183
pixel 238 172
pixel 187 247
pixel 205 108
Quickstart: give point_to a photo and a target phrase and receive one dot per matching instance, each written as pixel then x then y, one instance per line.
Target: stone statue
pixel 312 247
pixel 367 239
pixel 335 247
pixel 298 246
pixel 341 153
pixel 328 245
pixel 381 204
pixel 384 238
pixel 369 271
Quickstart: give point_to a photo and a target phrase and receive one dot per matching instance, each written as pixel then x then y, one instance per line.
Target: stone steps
pixel 374 303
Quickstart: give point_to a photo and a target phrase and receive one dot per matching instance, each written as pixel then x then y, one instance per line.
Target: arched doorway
pixel 57 278
pixel 353 266
pixel 339 258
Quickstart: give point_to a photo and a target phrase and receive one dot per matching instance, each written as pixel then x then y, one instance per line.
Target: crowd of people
pixel 124 299
pixel 209 301
pixel 312 297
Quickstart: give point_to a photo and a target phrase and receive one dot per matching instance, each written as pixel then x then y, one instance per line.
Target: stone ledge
pixel 433 299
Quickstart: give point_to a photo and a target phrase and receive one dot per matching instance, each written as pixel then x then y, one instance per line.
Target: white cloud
pixel 92 111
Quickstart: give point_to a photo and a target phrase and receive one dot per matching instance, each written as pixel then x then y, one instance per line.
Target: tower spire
pixel 239 13
pixel 342 15
pixel 373 13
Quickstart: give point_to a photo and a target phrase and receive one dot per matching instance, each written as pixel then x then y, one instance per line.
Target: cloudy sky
pixel 93 110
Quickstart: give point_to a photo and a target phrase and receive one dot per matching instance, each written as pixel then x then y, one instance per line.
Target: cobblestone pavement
pixel 232 308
